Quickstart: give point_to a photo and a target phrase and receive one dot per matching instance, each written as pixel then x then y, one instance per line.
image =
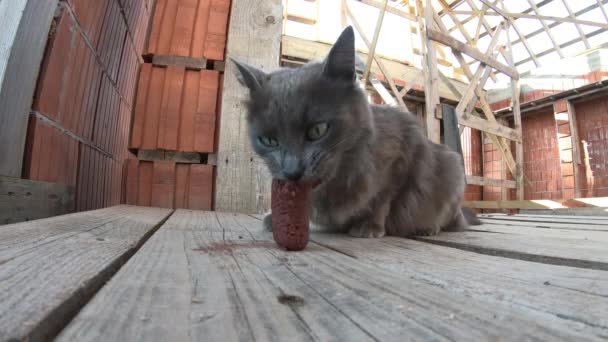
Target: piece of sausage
pixel 289 202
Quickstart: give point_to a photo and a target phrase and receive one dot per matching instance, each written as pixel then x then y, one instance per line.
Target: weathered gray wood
pixel 574 295
pixel 178 157
pixel 50 270
pixel 19 80
pixel 599 225
pixel 254 37
pixel 544 231
pixel 26 200
pixel 10 16
pixel 556 251
pixel 187 62
pixel 220 277
pixel 473 52
pixel 549 218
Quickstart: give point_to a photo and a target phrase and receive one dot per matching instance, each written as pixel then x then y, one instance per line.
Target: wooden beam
pixel 534 7
pixel 429 69
pixel 576 149
pixel 384 94
pixel 557 20
pixel 578 27
pixel 519 204
pixel 379 62
pixel 519 147
pixel 372 47
pixel 242 180
pixel 22 41
pixel 484 181
pixel 304 49
pixel 473 52
pixel 378 4
pixel 27 200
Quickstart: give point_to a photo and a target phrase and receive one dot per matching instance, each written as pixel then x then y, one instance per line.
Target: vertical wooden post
pixel 429 68
pixel 254 37
pixel 519 147
pixel 576 151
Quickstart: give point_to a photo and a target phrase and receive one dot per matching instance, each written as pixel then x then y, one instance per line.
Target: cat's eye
pixel 317 131
pixel 268 141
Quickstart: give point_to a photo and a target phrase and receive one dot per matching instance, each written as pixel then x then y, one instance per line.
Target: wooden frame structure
pixel 473 109
pixel 478 55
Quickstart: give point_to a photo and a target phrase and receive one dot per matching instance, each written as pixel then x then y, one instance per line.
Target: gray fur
pixel 379 174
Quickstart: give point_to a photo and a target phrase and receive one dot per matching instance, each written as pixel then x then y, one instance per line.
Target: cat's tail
pixel 471 217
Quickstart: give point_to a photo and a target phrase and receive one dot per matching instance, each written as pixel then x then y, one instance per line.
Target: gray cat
pixel 374 171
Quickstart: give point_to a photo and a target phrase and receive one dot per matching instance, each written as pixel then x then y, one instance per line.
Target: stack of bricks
pixel 177 106
pixel 542 166
pixel 470 140
pixel 79 128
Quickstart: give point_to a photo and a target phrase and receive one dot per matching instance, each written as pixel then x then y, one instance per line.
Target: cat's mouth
pixel 316 183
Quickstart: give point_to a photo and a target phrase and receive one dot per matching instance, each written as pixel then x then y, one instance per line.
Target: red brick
pixel 201 187
pixel 144 196
pixel 567 169
pixel 170 108
pixel 204 120
pixel 132 181
pixel 163 184
pixel 560 106
pixel 182 185
pixel 153 108
pixel 568 182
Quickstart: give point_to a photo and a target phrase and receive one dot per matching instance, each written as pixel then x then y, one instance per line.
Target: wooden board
pixel 19 80
pixel 254 37
pixel 26 200
pixel 220 277
pixel 539 223
pixel 523 204
pixel 597 234
pixel 548 218
pixel 50 268
pixel 557 251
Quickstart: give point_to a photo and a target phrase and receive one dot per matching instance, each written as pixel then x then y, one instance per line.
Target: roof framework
pixel 488 39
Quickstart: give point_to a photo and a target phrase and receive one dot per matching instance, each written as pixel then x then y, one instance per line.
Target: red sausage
pixel 289 202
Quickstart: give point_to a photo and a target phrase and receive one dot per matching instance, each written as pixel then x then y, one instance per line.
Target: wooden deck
pixel 144 274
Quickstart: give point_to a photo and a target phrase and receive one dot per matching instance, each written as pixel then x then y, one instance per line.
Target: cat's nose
pixel 293 175
pixel 292 168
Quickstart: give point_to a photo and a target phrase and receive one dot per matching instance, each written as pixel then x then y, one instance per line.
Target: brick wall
pixel 177 106
pixel 492 168
pixel 79 129
pixel 592 121
pixel 470 140
pixel 542 165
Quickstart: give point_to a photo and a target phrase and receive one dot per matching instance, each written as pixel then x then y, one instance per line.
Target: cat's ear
pixel 248 75
pixel 340 63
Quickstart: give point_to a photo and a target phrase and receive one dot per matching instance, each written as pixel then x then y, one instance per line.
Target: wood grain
pixel 556 251
pixel 50 268
pixel 220 277
pixel 254 37
pixel 26 200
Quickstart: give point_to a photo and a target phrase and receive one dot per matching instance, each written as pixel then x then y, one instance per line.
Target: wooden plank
pixel 515 105
pixel 491 226
pixel 473 52
pixel 51 267
pixel 383 69
pixel 374 42
pixel 533 287
pixel 544 225
pixel 377 4
pixel 484 181
pixel 176 156
pixel 490 127
pixel 186 62
pixel 243 182
pixel 429 69
pixel 218 276
pixel 576 146
pixel 556 251
pixel 517 204
pixel 26 200
pixel 19 78
pixel 551 218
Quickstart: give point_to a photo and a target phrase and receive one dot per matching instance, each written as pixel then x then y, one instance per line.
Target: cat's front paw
pixel 268 222
pixel 367 230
